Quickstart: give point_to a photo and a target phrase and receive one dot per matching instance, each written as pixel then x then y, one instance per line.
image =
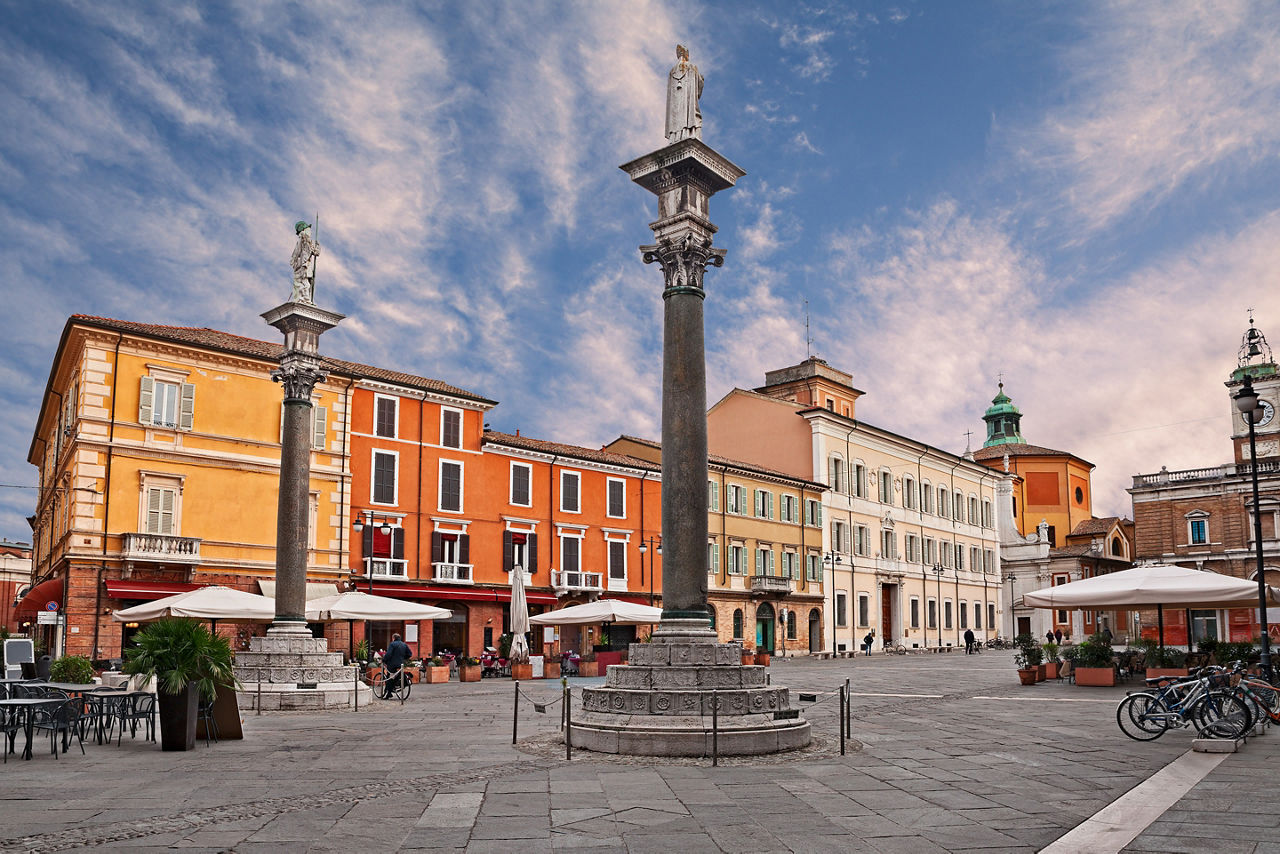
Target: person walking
pixel 1048 637
pixel 969 641
pixel 1057 636
pixel 868 641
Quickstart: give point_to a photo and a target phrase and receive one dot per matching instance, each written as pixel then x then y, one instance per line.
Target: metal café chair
pixel 204 714
pixel 138 706
pixel 62 719
pixel 10 725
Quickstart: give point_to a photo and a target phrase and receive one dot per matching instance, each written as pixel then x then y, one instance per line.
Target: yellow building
pixel 158 451
pixel 764 552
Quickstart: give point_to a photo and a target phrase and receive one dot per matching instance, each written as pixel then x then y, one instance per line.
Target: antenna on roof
pixel 808 338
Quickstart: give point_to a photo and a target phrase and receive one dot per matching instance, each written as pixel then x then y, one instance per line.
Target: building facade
pixel 15 580
pixel 1203 518
pixel 910 549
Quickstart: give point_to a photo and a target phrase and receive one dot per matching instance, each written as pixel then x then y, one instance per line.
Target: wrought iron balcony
pixel 161 548
pixel 562 580
pixel 762 584
pixel 452 573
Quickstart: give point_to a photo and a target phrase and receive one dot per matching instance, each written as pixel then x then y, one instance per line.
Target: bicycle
pixel 1203 701
pixel 387 684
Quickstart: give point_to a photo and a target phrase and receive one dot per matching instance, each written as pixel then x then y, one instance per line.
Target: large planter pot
pixel 1096 677
pixel 522 671
pixel 748 657
pixel 470 673
pixel 1041 672
pixel 762 658
pixel 436 674
pixel 551 670
pixel 1050 669
pixel 178 714
pixel 588 668
pixel 1027 676
pixel 1153 672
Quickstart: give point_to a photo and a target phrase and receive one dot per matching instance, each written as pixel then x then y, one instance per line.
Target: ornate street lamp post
pixel 654 543
pixel 937 570
pixel 832 560
pixel 1247 402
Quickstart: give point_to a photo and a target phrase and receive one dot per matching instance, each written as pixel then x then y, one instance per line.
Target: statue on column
pixel 684 88
pixel 304 265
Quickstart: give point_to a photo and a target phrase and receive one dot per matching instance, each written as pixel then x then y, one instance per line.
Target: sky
pixel 1078 197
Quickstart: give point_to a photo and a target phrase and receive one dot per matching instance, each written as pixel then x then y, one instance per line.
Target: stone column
pixel 684 176
pixel 299 371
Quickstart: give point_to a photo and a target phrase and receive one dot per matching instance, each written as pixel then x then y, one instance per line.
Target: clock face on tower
pixel 1268 412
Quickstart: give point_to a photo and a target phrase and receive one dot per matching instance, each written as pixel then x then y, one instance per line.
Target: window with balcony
pixel 521 484
pixel 570 481
pixel 451 428
pixel 764 561
pixel 450 555
pixel 385 464
pixel 385 416
pixel 520 549
pixel 450 486
pixel 384 553
pixel 164 400
pixel 570 554
pixel 161 503
pixel 616 498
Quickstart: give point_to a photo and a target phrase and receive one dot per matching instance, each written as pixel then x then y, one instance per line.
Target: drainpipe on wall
pixel 106 503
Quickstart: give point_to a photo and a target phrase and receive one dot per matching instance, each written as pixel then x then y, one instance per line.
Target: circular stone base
pixel 687 735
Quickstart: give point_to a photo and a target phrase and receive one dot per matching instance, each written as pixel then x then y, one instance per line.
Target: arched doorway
pixel 765 624
pixel 815 631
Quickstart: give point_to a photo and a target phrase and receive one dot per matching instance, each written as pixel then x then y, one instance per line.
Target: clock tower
pixel 1255 360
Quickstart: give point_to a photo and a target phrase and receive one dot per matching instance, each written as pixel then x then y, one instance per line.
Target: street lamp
pixel 832 560
pixel 646 544
pixel 385 529
pixel 937 570
pixel 1247 403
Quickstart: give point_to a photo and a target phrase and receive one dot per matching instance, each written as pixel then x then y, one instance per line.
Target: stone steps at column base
pixel 687 735
pixel 289 697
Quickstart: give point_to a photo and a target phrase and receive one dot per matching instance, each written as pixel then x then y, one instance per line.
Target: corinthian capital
pixel 299 375
pixel 683 261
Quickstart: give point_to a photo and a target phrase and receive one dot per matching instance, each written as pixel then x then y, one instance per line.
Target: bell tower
pixel 1255 360
pixel 1004 421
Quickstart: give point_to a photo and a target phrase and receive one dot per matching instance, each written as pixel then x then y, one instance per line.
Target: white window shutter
pixel 146 398
pixel 153 511
pixel 320 423
pixel 187 417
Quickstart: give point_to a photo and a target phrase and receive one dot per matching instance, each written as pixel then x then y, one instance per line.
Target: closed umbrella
pixel 519 617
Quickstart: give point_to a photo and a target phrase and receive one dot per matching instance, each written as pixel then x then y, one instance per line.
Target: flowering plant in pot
pixel 1028 658
pixel 469 669
pixel 188 662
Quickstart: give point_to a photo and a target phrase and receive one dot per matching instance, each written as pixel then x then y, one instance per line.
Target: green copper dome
pixel 1004 421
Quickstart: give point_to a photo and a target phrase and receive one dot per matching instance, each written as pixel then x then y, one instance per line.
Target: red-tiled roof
pixel 716 459
pixel 594 455
pixel 1096 525
pixel 996 452
pixel 198 336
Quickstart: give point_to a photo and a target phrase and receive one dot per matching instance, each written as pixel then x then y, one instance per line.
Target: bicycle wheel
pixel 401 687
pixel 1219 715
pixel 378 682
pixel 1142 717
pixel 1266 694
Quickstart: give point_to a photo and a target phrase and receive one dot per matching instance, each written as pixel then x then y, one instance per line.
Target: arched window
pixel 1117 548
pixel 711 616
pixel 737 624
pixel 791 625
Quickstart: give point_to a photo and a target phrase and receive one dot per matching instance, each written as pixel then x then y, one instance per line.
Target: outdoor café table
pixel 26 710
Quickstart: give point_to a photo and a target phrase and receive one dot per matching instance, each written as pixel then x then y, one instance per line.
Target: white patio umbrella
pixel 1153 585
pixel 355 605
pixel 600 611
pixel 212 603
pixel 519 617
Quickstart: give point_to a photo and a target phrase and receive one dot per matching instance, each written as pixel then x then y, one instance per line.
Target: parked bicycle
pixel 1204 701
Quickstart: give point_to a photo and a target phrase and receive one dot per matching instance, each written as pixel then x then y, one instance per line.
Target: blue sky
pixel 1077 195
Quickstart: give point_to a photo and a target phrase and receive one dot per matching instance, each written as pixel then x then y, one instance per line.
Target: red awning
pixel 459 594
pixel 41 595
pixel 147 591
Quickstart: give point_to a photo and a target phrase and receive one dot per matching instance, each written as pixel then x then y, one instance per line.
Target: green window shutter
pixel 319 424
pixel 187 417
pixel 146 398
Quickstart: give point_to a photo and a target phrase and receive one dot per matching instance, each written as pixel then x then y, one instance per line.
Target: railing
pixel 575 580
pixel 770 584
pixel 1211 473
pixel 162 548
pixel 456 573
pixel 387 568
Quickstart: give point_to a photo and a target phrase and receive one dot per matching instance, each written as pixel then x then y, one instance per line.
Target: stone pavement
pixel 952 754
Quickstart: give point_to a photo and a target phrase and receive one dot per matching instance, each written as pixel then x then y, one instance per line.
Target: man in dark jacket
pixel 398 653
pixel 969 641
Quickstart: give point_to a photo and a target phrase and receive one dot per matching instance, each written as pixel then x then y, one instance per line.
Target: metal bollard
pixel 715 728
pixel 848 710
pixel 842 720
pixel 259 703
pixel 515 713
pixel 564 712
pixel 568 723
pixel 356 687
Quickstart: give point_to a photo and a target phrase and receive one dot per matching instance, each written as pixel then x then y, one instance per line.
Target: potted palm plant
pixel 188 662
pixel 1028 658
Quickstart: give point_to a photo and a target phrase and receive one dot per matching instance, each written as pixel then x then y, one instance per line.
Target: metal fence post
pixel 715 728
pixel 842 720
pixel 515 713
pixel 259 702
pixel 568 723
pixel 848 710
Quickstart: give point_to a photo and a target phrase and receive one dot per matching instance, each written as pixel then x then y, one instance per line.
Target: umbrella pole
pixel 1190 646
pixel 1160 621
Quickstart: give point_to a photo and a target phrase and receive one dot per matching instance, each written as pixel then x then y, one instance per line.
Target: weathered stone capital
pixel 299 374
pixel 683 261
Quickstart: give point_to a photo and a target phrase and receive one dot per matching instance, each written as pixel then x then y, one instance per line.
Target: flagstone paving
pixel 950 753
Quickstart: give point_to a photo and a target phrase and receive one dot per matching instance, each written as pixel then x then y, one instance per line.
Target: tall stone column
pixel 299 371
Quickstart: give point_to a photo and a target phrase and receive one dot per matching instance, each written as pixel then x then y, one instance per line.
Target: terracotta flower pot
pixel 1098 677
pixel 1041 672
pixel 470 673
pixel 762 658
pixel 436 674
pixel 588 668
pixel 522 671
pixel 551 670
pixel 1050 670
pixel 748 657
pixel 1027 676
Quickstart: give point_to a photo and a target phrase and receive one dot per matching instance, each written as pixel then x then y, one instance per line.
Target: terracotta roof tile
pixel 572 451
pixel 1096 525
pixel 1020 449
pixel 731 463
pixel 199 336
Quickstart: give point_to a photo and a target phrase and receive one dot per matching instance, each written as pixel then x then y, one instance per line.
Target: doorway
pixel 1024 626
pixel 888 630
pixel 815 631
pixel 765 622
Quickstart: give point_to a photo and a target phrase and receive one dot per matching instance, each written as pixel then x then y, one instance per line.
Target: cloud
pixel 801 141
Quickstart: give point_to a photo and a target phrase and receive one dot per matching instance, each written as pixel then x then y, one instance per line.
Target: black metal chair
pixel 10 726
pixel 62 719
pixel 204 715
pixel 139 706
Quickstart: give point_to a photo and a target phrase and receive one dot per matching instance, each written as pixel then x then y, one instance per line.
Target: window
pixel 926 497
pixel 842 608
pixel 813 513
pixel 859 480
pixel 886 487
pixel 764 561
pixel 569 482
pixel 964 615
pixel 864 610
pixel 915 612
pixel 617 498
pixel 791 625
pixel 384 477
pixel 384 553
pixel 764 504
pixel 862 540
pixel 975 557
pixel 957 506
pixel 813 567
pixel 946 553
pixel 450 486
pixel 737 624
pixel 166 402
pixel 737 560
pixel 521 475
pixel 959 556
pixel 835 474
pixel 570 553
pixel 909 493
pixel 1198 528
pixel 991 615
pixel 1053 536
pixel 617 564
pixel 520 549
pixel 888 545
pixel 1117 549
pixel 911 548
pixel 977 615
pixel 713 496
pixel 946 614
pixel 942 501
pixel 930 551
pixel 973 510
pixel 986 514
pixel 933 613
pixel 735 499
pixel 831 405
pixel 161 506
pixel 790 565
pixel 787 508
pixel 988 560
pixel 839 537
pixel 713 557
pixel 451 428
pixel 385 411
